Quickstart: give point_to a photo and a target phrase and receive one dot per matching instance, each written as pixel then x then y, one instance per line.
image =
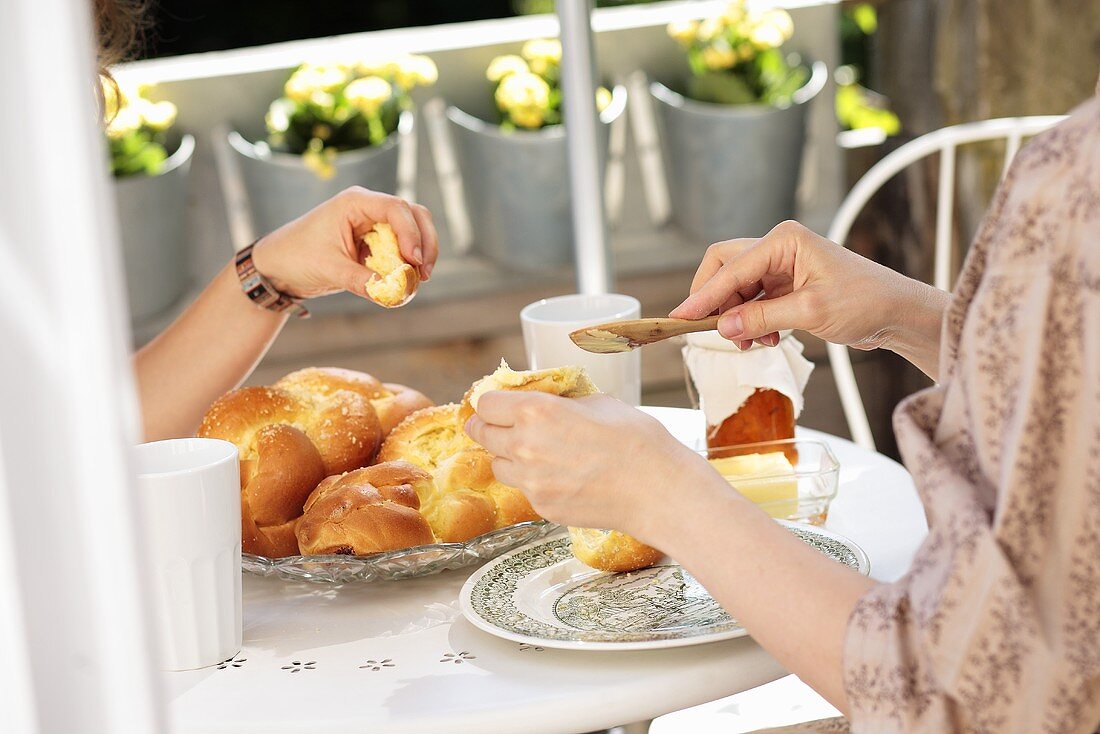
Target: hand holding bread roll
pixel 600 549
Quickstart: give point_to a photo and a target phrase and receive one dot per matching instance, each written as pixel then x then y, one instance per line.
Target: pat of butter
pixel 765 479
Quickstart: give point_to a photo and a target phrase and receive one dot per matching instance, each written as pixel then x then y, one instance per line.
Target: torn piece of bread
pixel 611 550
pixel 394 281
pixel 568 382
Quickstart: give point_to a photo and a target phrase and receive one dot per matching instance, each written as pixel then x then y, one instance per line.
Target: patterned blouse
pixel 996 627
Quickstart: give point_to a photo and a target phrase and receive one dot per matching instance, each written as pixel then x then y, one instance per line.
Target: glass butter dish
pixel 791 479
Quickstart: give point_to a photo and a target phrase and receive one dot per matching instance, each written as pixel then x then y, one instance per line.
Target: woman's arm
pixel 794 279
pixel 215 344
pixel 566 456
pixel 793 600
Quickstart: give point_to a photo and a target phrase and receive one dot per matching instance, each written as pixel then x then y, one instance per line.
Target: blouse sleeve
pixel 996 627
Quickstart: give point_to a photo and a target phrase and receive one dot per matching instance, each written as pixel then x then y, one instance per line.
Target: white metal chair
pixel 945 142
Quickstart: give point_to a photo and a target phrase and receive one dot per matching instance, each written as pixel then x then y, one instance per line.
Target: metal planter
pixel 732 170
pixel 152 213
pixel 516 186
pixel 281 188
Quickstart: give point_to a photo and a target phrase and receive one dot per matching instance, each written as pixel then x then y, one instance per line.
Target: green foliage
pixel 142 151
pixel 858 108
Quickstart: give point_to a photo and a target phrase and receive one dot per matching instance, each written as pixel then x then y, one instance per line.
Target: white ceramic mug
pixel 189 495
pixel 546 327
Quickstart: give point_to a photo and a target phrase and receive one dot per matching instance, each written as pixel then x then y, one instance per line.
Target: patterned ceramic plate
pixel 540 594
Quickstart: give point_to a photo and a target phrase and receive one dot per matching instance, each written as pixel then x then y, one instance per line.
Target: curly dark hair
pixel 119 27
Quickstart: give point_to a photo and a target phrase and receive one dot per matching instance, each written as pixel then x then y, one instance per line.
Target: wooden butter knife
pixel 622 336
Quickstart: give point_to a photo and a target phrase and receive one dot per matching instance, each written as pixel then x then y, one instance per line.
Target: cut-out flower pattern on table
pixel 450 657
pixel 376 665
pixel 233 662
pixel 524 647
pixel 296 666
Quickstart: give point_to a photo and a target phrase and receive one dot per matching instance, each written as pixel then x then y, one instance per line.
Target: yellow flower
pixel 523 90
pixel 320 160
pixel 719 57
pixel 734 13
pixel 371 66
pixel 416 70
pixel 683 31
pixel 277 118
pixel 301 84
pixel 542 54
pixel 765 35
pixel 746 51
pixel 329 78
pixel 781 19
pixel 711 28
pixel 502 66
pixel 603 98
pixel 321 98
pixel 368 94
pixel 125 121
pixel 158 115
pixel 546 49
pixel 528 117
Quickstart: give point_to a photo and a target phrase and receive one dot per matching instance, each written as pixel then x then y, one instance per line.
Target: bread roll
pixel 391 402
pixel 280 466
pixel 568 382
pixel 394 281
pixel 342 424
pixel 610 550
pixel 366 511
pixel 468 501
pixel 426 438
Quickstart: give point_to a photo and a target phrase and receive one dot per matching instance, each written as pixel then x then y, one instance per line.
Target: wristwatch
pixel 260 290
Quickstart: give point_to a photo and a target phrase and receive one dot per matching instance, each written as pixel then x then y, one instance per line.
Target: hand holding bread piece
pixel 394 281
pixel 601 549
pixel 568 382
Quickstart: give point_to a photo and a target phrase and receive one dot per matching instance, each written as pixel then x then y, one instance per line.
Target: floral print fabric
pixel 996 627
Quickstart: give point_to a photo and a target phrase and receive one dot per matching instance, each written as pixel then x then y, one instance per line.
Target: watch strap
pixel 261 291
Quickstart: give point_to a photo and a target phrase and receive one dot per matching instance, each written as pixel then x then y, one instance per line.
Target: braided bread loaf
pixel 369 510
pixel 311 424
pixel 465 499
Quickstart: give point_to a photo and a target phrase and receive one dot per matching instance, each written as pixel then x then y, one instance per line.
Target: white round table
pixel 398 657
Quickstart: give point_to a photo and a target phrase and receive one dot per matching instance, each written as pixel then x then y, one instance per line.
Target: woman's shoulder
pixel 1073 144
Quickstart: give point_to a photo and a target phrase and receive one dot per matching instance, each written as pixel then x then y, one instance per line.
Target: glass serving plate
pixel 815 479
pixel 407 563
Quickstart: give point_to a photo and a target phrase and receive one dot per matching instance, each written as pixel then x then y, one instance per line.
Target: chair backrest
pixel 944 142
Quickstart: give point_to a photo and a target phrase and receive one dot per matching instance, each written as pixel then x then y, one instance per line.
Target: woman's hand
pixel 793 278
pixel 322 251
pixel 588 462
